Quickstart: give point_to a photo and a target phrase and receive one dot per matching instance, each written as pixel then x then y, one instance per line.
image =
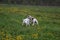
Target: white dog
pixel 34 21
pixel 26 21
pixel 30 20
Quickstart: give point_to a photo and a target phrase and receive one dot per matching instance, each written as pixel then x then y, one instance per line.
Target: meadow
pixel 11 17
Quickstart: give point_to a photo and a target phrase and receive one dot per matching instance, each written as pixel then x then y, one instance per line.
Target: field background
pixel 11 17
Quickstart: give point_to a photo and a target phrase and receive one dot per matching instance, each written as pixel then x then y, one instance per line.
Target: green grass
pixel 11 17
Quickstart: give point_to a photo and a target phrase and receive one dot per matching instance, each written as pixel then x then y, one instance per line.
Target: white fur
pixel 30 17
pixel 26 21
pixel 34 21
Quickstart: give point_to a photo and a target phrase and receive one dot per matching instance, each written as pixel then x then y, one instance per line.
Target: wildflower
pixel 19 38
pixel 38 29
pixel 35 36
pixel 2 33
pixel 50 34
pixel 7 37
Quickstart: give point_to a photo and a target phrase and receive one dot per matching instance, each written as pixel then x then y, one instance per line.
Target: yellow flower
pixel 51 34
pixel 7 37
pixel 2 33
pixel 35 36
pixel 19 38
pixel 39 29
pixel 3 38
pixel 13 9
